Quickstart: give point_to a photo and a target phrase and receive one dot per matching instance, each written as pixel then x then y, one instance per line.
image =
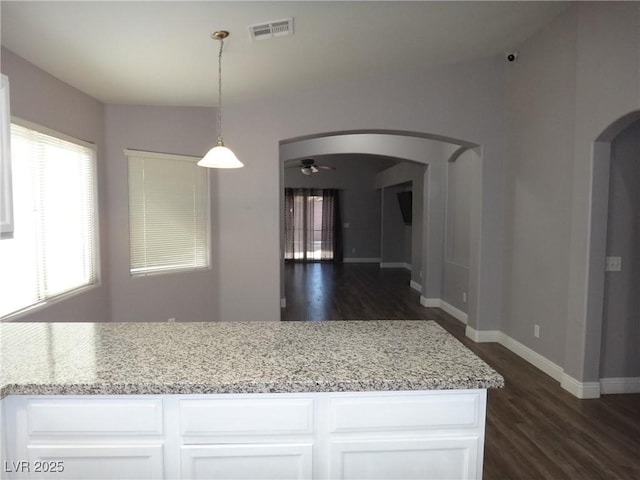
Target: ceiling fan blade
pixel 314 169
pixel 325 167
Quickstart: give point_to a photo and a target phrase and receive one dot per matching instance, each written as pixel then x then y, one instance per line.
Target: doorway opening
pixel 611 355
pixel 416 162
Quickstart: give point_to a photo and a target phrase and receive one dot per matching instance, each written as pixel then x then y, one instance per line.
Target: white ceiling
pixel 160 52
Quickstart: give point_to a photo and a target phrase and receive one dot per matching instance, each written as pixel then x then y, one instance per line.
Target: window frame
pixel 95 210
pixel 6 195
pixel 155 271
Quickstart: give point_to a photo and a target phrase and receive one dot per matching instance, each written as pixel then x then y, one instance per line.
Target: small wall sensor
pixel 511 56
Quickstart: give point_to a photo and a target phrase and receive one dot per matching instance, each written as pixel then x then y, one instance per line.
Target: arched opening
pixel 617 143
pixel 432 153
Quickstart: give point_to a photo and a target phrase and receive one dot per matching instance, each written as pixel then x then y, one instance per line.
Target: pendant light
pixel 220 156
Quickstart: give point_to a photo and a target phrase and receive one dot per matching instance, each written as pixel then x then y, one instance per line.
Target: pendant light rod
pixel 220 35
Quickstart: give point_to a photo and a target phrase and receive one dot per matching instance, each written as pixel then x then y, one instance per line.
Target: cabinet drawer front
pixel 256 462
pixel 246 416
pixel 412 412
pixel 88 462
pixel 94 417
pixel 418 459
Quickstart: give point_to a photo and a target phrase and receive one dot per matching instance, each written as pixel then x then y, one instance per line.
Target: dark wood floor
pixel 535 429
pixel 322 291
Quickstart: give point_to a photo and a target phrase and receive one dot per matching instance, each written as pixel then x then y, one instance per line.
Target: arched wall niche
pixel 434 151
pixel 462 178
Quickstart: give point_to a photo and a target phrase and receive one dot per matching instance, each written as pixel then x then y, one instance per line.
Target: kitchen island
pixel 349 399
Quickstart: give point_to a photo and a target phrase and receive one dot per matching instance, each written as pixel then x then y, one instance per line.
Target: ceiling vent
pixel 277 28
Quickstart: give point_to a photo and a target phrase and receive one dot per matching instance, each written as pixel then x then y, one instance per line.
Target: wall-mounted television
pixel 406 204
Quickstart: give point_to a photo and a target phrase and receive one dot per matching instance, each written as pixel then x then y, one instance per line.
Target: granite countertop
pixel 235 357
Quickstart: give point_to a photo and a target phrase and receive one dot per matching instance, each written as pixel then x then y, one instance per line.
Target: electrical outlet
pixel 536 331
pixel 171 320
pixel 346 225
pixel 353 250
pixel 464 297
pixel 613 264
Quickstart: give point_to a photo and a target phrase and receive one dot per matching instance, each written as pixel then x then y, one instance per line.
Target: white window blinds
pixel 168 213
pixel 53 247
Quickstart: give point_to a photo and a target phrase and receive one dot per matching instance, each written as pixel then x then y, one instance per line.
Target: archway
pixel 597 250
pixel 421 148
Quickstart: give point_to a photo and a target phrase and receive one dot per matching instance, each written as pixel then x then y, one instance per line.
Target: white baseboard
pixel 580 389
pixel 482 336
pixel 395 265
pixel 416 286
pixel 524 352
pixel 360 260
pixel 447 307
pixel 429 302
pixel 534 358
pixel 616 385
pixel 454 312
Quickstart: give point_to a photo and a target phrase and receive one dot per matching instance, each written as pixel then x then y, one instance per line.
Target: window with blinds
pixel 168 213
pixel 53 249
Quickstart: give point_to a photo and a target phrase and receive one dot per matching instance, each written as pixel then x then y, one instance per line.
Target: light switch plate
pixel 613 264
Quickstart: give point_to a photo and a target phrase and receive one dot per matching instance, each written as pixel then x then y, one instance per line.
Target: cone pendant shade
pixel 220 157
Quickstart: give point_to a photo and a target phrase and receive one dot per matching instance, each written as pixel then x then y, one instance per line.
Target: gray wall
pixel 247 201
pixel 394 232
pixel 413 173
pixel 571 81
pixel 540 119
pixel 621 321
pixel 424 102
pixel 607 68
pixel 185 296
pixel 455 282
pixel 40 98
pixel 359 199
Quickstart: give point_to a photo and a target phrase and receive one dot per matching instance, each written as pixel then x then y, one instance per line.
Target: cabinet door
pixel 432 458
pixel 95 461
pixel 247 461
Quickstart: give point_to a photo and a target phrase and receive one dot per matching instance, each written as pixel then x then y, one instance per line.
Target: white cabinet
pixel 362 435
pixel 101 417
pixel 84 438
pixel 418 435
pixel 247 437
pixel 277 461
pixel 444 411
pixel 247 416
pixel 97 461
pixel 406 459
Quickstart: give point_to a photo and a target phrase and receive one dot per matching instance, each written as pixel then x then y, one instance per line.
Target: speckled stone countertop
pixel 245 357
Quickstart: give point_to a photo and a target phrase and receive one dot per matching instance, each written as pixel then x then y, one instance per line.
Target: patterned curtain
pixel 288 224
pixel 312 225
pixel 298 224
pixel 331 238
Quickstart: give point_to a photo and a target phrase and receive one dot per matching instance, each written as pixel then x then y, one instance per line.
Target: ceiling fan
pixel 308 166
